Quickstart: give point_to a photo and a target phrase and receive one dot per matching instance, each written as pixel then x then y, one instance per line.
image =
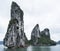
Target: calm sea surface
pixel 33 48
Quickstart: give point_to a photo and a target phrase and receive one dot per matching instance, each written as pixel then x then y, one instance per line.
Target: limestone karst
pixel 45 33
pixel 41 37
pixel 35 34
pixel 15 36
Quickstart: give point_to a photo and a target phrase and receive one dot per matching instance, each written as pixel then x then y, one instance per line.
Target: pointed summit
pixel 15 36
pixel 14 4
pixel 16 12
pixel 37 25
pixel 35 34
pixel 45 33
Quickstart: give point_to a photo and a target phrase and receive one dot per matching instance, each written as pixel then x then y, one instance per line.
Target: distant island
pixel 15 36
pixel 41 38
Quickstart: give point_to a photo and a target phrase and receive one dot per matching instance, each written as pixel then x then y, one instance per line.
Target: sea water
pixel 33 48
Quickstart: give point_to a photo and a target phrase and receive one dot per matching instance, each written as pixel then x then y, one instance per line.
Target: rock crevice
pixel 15 35
pixel 41 37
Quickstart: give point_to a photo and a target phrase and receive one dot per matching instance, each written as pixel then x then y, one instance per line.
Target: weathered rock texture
pixel 41 38
pixel 45 33
pixel 35 34
pixel 15 36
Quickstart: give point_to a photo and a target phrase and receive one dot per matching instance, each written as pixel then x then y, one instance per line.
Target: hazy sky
pixel 46 13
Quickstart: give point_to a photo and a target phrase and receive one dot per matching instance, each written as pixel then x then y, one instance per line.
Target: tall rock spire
pixel 41 38
pixel 35 35
pixel 16 12
pixel 15 36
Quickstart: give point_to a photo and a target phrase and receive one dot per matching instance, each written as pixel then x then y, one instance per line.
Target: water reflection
pixel 29 48
pixel 18 49
pixel 45 48
pixel 38 48
pixel 35 48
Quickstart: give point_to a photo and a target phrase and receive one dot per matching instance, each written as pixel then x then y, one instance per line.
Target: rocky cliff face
pixel 45 33
pixel 15 36
pixel 35 34
pixel 41 38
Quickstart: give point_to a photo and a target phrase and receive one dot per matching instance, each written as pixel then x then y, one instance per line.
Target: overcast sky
pixel 46 13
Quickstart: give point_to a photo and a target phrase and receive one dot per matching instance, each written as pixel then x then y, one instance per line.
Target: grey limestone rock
pixel 35 35
pixel 41 38
pixel 15 36
pixel 45 33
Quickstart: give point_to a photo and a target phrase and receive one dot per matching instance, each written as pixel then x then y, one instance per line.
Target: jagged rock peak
pixel 37 25
pixel 35 34
pixel 15 36
pixel 14 5
pixel 36 31
pixel 46 29
pixel 16 11
pixel 45 33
